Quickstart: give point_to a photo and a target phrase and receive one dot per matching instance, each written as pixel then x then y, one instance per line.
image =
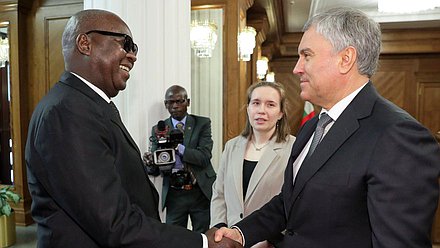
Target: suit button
pixel 241 215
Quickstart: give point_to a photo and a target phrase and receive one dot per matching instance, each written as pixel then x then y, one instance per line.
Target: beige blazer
pixel 227 204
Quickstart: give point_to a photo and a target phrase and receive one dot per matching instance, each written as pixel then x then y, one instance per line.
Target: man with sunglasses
pixel 187 188
pixel 85 172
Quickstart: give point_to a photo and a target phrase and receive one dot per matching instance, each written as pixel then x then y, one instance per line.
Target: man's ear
pixel 83 44
pixel 348 59
pixel 188 100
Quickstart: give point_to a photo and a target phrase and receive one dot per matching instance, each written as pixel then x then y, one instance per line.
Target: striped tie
pixel 324 120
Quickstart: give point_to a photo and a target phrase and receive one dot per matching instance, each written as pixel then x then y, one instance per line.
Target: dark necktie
pixel 116 111
pixel 324 120
pixel 121 125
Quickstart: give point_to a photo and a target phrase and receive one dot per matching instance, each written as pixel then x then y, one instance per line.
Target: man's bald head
pixel 82 22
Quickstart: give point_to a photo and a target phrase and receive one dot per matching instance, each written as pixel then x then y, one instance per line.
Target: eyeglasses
pixel 129 45
pixel 172 102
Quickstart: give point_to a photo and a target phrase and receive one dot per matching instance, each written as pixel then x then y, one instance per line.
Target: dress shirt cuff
pixel 205 241
pixel 241 233
pixel 181 149
pixel 220 225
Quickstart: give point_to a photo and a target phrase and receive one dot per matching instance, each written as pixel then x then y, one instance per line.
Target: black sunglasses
pixel 129 45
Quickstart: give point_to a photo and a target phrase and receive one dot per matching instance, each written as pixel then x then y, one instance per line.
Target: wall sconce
pixel 4 50
pixel 262 66
pixel 203 38
pixel 246 43
pixel 270 77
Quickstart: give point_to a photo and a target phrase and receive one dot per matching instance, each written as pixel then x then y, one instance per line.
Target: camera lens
pixel 164 157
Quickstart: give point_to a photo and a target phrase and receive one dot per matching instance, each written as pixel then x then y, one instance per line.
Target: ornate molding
pixel 6 6
pixel 261 25
pixel 409 41
pixel 245 4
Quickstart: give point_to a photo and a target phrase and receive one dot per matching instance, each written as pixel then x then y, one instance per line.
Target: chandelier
pixel 203 37
pixel 246 42
pixel 406 6
pixel 262 66
pixel 4 50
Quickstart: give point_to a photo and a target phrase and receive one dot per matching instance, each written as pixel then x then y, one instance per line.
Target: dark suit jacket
pixel 86 176
pixel 372 182
pixel 198 146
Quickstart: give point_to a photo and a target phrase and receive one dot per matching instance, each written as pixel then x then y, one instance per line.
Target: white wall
pixel 207 82
pixel 161 30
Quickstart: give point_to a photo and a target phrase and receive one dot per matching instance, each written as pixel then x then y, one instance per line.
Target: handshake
pixel 224 238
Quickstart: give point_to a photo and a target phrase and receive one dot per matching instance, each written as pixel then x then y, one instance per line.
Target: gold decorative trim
pixel 7 230
pixel 8 6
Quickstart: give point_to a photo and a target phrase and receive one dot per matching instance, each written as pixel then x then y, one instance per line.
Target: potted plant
pixel 7 216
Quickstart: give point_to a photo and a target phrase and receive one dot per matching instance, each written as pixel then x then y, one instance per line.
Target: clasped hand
pixel 224 238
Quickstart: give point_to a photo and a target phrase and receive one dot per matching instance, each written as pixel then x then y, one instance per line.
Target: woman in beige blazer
pixel 252 166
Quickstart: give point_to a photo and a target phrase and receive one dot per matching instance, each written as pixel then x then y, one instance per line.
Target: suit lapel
pixel 301 140
pixel 73 81
pixel 189 126
pixel 169 123
pixel 336 136
pixel 116 118
pixel 303 137
pixel 237 167
pixel 342 129
pixel 263 165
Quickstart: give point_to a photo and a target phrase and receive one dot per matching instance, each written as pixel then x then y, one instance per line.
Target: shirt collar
pixel 340 106
pixel 94 88
pixel 176 121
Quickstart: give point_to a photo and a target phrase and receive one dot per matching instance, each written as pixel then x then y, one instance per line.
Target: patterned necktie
pixel 179 164
pixel 324 120
pixel 180 126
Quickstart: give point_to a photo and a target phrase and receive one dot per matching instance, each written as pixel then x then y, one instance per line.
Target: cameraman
pixel 187 188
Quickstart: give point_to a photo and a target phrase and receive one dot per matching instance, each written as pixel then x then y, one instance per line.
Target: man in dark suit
pixel 372 181
pixel 193 165
pixel 85 172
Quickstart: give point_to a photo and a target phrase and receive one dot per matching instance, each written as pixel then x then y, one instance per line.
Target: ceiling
pixel 296 13
pixel 287 17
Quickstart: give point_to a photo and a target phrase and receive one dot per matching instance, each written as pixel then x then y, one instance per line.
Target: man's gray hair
pixel 345 27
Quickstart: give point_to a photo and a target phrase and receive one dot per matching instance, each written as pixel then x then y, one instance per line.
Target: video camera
pixel 164 157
